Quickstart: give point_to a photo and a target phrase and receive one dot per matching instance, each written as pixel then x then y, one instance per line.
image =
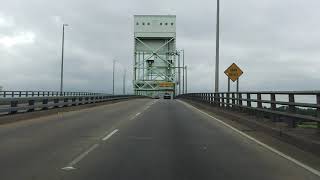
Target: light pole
pixel 183 84
pixel 61 80
pixel 114 63
pixel 124 82
pixel 217 47
pixel 179 75
pixel 186 79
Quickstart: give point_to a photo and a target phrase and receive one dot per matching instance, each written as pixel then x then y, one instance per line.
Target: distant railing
pixel 28 104
pixel 6 94
pixel 292 107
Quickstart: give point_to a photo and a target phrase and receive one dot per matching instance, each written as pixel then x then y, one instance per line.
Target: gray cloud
pixel 274 42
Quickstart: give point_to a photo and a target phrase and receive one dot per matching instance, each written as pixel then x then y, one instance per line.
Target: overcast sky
pixel 275 42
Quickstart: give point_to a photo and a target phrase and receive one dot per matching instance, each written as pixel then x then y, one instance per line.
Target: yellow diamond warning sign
pixel 233 72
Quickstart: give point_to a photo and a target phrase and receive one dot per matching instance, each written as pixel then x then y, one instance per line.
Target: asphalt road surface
pixel 140 139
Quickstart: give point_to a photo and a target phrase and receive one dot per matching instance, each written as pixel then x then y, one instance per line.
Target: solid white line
pixel 314 171
pixel 79 158
pixel 110 134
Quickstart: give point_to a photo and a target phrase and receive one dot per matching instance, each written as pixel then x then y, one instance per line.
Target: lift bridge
pixel 156 60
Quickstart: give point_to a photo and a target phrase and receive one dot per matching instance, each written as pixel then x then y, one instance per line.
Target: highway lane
pixel 36 149
pixel 172 141
pixel 137 139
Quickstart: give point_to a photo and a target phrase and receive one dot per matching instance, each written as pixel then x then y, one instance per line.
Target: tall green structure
pixel 155 55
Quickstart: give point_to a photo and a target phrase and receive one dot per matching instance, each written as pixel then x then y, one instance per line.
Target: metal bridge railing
pixel 12 105
pixel 276 105
pixel 12 94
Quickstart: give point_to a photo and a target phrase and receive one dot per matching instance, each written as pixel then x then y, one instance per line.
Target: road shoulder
pixel 304 157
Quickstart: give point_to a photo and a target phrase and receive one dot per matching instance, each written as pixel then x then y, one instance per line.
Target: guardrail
pixel 29 104
pixel 5 94
pixel 276 105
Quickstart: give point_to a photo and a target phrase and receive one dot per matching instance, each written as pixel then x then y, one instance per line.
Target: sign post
pixel 228 84
pixel 233 72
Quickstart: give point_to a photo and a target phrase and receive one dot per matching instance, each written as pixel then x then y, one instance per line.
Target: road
pixel 137 139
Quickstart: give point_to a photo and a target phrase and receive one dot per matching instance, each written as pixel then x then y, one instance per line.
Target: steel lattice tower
pixel 155 54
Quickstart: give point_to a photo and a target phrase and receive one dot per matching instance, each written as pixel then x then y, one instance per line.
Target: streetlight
pixel 217 48
pixel 61 81
pixel 183 84
pixel 179 73
pixel 124 82
pixel 186 79
pixel 114 64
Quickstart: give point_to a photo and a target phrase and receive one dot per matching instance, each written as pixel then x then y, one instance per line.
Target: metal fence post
pixel 80 100
pixel 14 104
pixel 218 99
pixel 223 100
pixel 45 102
pixel 318 111
pixel 73 101
pixel 292 109
pixel 259 114
pixel 273 101
pixel 259 103
pixel 248 100
pixel 240 101
pixel 233 101
pixel 273 106
pixel 65 100
pixel 56 101
pixel 228 99
pixel 31 103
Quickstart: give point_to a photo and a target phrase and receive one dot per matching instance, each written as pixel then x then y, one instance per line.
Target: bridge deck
pixel 137 139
